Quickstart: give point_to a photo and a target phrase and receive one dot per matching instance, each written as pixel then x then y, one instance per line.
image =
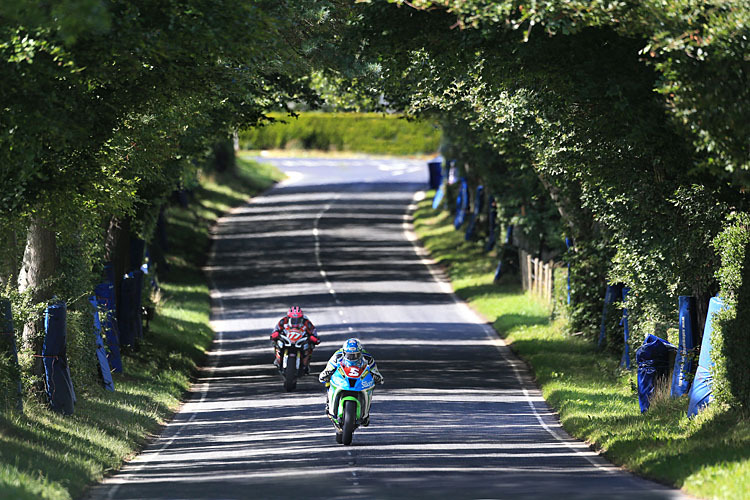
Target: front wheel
pixel 350 416
pixel 290 374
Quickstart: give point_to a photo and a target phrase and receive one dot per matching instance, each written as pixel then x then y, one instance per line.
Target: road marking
pixel 488 330
pixel 318 260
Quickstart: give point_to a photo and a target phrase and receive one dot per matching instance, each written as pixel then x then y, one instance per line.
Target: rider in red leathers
pixel 296 318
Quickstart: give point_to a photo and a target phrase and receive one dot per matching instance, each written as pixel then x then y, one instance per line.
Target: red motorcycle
pixel 291 347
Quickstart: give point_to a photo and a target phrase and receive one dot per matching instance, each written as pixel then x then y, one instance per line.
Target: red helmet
pixel 295 316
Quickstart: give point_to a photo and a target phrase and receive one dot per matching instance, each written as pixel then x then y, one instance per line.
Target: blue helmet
pixel 352 352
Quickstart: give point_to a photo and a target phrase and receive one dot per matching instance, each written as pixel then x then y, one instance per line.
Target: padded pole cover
pixel 653 365
pixel 105 297
pixel 101 354
pixel 701 392
pixel 60 391
pixel 683 362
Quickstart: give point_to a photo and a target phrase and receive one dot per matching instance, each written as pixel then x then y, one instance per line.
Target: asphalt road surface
pixel 458 416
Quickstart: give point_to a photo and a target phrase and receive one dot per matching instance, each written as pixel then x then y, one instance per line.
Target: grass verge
pixel 708 456
pixel 47 455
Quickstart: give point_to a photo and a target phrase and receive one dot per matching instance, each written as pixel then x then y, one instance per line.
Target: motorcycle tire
pixel 290 375
pixel 350 416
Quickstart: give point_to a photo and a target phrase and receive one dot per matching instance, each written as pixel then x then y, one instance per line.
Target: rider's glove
pixel 274 336
pixel 314 340
pixel 379 380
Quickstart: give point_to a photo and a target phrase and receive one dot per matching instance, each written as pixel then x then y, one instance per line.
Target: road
pixel 458 416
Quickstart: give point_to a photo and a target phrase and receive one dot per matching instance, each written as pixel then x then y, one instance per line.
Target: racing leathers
pixel 312 336
pixel 333 363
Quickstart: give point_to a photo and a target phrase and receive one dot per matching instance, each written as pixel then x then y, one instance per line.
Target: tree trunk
pixel 39 266
pixel 117 251
pixel 224 156
pixel 9 258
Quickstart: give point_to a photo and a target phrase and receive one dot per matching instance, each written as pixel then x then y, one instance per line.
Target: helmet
pixel 352 352
pixel 295 316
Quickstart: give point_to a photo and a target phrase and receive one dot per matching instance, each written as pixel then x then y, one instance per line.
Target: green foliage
pixel 731 349
pixel 47 455
pixel 354 132
pixel 615 124
pixel 594 399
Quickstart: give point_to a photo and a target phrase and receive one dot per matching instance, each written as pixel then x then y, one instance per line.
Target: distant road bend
pixel 458 417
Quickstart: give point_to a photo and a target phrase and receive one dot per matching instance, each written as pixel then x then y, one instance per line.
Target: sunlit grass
pixel 708 456
pixel 47 455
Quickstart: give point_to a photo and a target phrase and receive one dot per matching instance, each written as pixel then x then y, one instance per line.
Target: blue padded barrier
pixel 683 363
pixel 105 297
pixel 653 365
pixel 462 204
pixel 701 392
pixel 101 354
pixel 57 379
pixel 434 168
pixel 439 195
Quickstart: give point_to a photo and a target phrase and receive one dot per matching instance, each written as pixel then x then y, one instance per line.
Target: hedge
pixel 372 133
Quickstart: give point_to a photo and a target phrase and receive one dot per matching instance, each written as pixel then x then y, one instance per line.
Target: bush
pixel 730 349
pixel 353 132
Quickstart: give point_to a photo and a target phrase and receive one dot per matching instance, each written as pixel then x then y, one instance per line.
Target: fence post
pixel 530 264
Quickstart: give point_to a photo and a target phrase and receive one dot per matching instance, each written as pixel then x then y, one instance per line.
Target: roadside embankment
pixel 708 456
pixel 47 455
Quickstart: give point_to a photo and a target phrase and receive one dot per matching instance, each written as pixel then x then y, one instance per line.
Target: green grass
pixel 47 455
pixel 708 456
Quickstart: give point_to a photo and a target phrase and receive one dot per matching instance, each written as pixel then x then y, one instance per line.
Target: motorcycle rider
pixel 296 318
pixel 351 354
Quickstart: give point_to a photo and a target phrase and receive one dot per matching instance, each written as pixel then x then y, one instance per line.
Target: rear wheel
pixel 350 415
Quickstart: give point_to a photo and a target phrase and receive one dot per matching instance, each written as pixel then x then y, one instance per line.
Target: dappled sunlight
pixel 457 417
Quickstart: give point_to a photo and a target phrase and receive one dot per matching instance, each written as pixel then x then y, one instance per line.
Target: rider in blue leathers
pixel 353 354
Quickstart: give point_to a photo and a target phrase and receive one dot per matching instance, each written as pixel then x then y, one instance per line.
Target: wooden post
pixel 529 270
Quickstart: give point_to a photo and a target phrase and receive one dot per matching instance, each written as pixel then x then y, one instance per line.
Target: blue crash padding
pixel 462 204
pixel 8 345
pixel 105 297
pixel 653 364
pixel 60 391
pixel 625 360
pixel 101 354
pixel 434 168
pixel 439 195
pixel 478 206
pixel 683 363
pixel 701 391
